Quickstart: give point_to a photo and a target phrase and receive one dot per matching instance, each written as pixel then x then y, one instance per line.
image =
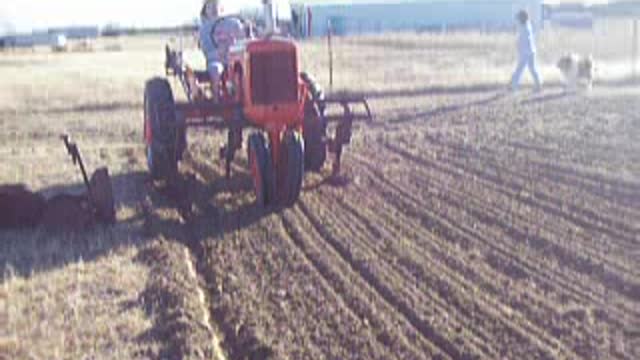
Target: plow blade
pixel 102 196
pixel 344 127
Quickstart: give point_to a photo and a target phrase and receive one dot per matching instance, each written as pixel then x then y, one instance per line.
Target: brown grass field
pixel 474 223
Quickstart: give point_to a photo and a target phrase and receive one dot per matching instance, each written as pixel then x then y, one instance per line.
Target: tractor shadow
pixel 536 99
pixel 335 181
pixel 205 208
pixel 210 205
pixel 207 205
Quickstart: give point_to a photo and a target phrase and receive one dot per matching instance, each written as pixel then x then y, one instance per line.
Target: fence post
pixel 634 55
pixel 330 46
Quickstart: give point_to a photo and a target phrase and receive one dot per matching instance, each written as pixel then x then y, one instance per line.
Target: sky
pixel 26 15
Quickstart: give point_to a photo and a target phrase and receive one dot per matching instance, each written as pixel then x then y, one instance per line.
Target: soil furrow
pixel 578 262
pixel 486 314
pixel 614 230
pixel 541 242
pixel 549 278
pixel 376 315
pixel 605 214
pixel 385 292
pixel 538 178
pixel 430 247
pixel 442 225
pixel 519 163
pixel 601 191
pixel 405 274
pixel 275 308
pixel 596 252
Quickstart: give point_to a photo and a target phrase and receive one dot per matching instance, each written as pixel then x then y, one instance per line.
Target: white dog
pixel 577 70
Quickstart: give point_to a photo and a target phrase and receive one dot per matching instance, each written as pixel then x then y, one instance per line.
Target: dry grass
pixel 80 296
pixel 59 300
pixel 373 62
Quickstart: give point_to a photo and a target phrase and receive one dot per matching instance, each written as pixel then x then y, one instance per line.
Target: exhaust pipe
pixel 270 18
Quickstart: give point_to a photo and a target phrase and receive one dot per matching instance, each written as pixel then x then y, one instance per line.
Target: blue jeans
pixel 526 61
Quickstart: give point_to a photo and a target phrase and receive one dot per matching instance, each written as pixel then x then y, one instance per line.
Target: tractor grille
pixel 274 78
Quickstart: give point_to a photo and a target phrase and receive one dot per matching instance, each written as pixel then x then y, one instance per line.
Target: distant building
pixel 584 14
pixel 76 32
pixel 23 40
pixel 568 14
pixel 347 17
pixel 622 9
pixel 112 30
pixel 48 37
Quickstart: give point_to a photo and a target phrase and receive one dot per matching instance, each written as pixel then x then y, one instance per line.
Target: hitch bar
pixel 345 101
pixel 73 151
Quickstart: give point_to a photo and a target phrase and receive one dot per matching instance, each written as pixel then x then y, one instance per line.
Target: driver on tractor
pixel 217 34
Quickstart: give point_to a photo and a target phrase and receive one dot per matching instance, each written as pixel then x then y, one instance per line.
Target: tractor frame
pixel 261 89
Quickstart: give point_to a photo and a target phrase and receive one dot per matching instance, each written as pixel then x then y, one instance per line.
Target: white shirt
pixel 526 40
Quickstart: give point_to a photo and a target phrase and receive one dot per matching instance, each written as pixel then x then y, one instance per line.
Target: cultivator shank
pixel 344 122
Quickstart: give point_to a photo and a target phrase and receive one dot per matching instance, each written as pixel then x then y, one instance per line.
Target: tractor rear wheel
pixel 164 138
pixel 314 128
pixel 290 167
pixel 261 168
pixel 314 138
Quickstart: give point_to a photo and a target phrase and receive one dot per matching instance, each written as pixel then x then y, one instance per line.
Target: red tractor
pixel 261 88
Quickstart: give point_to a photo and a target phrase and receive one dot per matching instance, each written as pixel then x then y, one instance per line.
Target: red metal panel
pixel 274 78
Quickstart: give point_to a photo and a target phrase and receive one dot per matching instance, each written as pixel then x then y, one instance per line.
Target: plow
pixel 22 208
pixel 262 91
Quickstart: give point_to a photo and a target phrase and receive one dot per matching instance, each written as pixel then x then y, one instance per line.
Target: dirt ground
pixel 471 223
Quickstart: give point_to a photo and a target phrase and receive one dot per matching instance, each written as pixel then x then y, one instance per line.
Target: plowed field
pixel 475 232
pixel 470 222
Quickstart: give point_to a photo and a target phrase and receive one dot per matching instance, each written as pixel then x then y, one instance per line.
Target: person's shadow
pixel 536 99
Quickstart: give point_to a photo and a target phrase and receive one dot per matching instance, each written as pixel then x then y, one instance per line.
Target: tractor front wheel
pixel 290 167
pixel 261 168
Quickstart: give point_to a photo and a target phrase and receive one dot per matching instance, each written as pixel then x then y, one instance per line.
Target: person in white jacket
pixel 526 52
pixel 216 35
